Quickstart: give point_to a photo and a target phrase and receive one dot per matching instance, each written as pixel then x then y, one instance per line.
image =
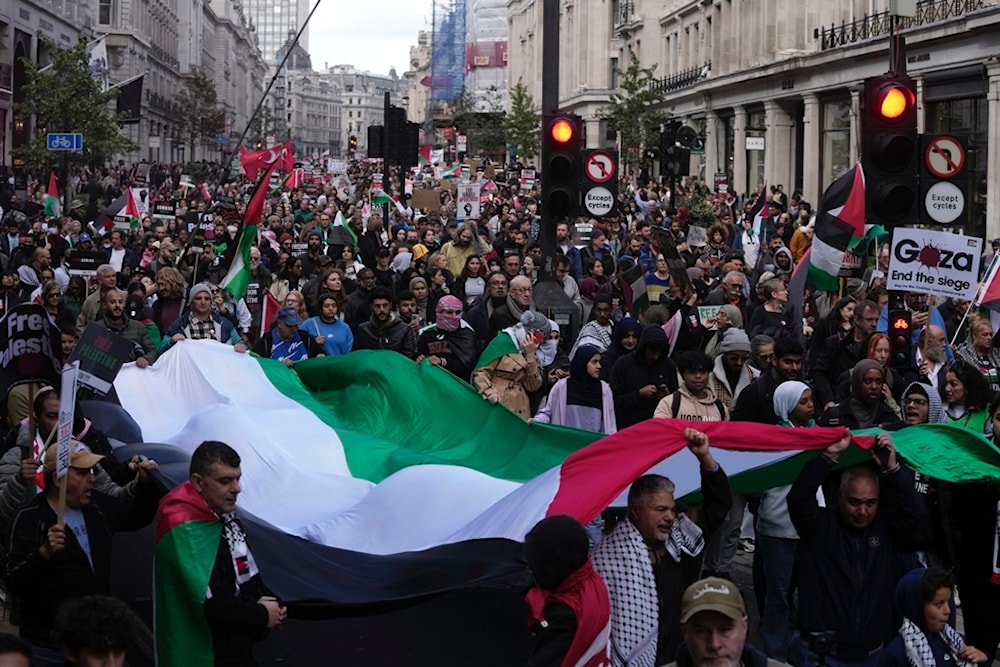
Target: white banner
pixel 939 263
pixel 437 156
pixel 98 64
pixel 141 196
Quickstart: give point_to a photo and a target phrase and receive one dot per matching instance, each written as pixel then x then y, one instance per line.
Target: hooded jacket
pixel 396 335
pixel 632 372
pixel 910 602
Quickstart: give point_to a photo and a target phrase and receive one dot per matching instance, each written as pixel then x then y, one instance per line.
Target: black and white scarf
pixel 918 650
pixel 623 560
pixel 243 562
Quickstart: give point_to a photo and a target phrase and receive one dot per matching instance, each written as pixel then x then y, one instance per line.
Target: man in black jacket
pixel 849 554
pixel 383 330
pixel 756 402
pixel 51 562
pixel 642 377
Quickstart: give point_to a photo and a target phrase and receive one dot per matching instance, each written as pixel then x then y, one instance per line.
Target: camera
pixel 822 643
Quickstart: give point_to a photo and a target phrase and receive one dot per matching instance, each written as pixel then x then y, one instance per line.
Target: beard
pixel 937 355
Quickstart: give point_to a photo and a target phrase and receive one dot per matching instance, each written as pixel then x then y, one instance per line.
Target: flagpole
pixel 128 81
pixel 977 301
pixel 88 45
pixel 274 78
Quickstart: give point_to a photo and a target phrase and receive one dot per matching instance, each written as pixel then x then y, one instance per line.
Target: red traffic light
pixel 562 131
pixel 894 101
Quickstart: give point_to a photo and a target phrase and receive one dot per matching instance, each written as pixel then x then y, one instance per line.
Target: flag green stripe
pixel 501 344
pixel 358 395
pixel 183 564
pixel 237 279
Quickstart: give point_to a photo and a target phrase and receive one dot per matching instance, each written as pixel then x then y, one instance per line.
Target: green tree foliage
pixel 66 98
pixel 523 124
pixel 633 113
pixel 480 120
pixel 200 118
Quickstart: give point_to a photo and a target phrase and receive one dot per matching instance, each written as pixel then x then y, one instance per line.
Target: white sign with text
pixel 942 263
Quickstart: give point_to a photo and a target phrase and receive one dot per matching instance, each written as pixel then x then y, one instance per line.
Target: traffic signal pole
pixel 550 104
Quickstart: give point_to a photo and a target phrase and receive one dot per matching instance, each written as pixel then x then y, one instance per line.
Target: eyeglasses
pixel 522 290
pixel 915 400
pixel 85 471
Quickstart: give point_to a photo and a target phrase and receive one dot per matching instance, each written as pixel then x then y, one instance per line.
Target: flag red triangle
pixel 53 185
pixel 268 312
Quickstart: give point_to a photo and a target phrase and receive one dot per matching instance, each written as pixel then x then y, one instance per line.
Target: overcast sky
pixel 371 35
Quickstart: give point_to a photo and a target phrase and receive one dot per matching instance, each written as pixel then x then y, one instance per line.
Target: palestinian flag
pixel 380 196
pixel 758 217
pixel 502 344
pixel 122 214
pixel 268 313
pixel 424 154
pixel 186 543
pixel 237 279
pixel 52 207
pixel 840 226
pixel 365 432
pixel 450 172
pixel 988 295
pixel 341 221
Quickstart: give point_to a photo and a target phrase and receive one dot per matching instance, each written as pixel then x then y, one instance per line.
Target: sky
pixel 372 35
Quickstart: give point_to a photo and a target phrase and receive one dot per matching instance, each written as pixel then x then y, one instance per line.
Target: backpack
pixel 675 406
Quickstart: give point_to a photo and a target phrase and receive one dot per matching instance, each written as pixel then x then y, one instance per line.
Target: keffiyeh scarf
pixel 918 650
pixel 623 560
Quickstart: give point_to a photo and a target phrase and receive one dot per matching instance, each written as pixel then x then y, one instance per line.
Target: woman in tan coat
pixel 509 368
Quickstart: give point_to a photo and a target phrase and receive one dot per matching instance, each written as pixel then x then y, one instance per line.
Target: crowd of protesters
pixel 711 333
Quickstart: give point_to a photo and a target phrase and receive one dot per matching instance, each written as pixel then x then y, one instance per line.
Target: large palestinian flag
pixel 404 483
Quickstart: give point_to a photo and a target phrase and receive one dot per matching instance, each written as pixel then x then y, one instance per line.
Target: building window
pixel 756 127
pixel 613 77
pixel 835 142
pixel 105 11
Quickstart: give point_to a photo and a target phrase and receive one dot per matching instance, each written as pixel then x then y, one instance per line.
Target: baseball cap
pixel 290 316
pixel 712 594
pixel 80 456
pixel 84 238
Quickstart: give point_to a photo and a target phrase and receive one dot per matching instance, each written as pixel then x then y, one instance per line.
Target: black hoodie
pixel 632 372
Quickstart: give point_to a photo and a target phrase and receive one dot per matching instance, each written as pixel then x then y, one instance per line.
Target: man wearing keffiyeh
pixel 653 555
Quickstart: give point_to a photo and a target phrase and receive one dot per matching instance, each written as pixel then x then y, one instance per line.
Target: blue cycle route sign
pixel 66 141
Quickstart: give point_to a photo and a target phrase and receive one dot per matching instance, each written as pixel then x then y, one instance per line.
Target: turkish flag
pixel 253 162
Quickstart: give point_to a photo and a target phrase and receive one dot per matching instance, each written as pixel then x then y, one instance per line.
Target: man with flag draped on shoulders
pixel 211 603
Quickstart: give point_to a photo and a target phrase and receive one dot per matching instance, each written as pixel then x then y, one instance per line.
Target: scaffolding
pixel 447 54
pixel 486 55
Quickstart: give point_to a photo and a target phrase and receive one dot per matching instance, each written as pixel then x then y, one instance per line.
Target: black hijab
pixel 581 389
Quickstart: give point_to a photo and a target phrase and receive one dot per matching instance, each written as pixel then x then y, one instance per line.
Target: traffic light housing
pixel 900 339
pixel 674 160
pixel 352 144
pixel 890 151
pixel 562 144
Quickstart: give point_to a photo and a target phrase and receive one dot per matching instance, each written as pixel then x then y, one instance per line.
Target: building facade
pixel 418 89
pixel 774 86
pixel 363 100
pixel 273 20
pixel 21 22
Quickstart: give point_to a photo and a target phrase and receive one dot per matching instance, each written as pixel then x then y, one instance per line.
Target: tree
pixel 633 113
pixel 523 124
pixel 480 120
pixel 200 116
pixel 65 97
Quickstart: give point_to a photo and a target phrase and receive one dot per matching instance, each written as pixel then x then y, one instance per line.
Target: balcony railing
pixel 877 25
pixel 683 79
pixel 626 15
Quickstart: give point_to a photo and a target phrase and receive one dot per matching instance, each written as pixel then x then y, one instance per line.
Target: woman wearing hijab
pixel 866 407
pixel 777 539
pixel 582 400
pixel 624 338
pixel 418 288
pixel 509 367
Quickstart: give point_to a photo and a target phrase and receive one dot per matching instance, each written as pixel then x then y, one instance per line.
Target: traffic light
pixel 562 143
pixel 890 152
pixel 674 160
pixel 352 144
pixel 900 329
